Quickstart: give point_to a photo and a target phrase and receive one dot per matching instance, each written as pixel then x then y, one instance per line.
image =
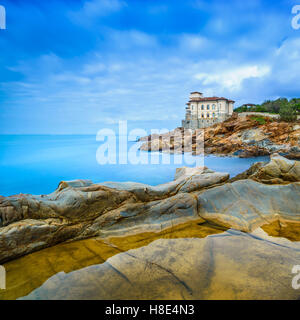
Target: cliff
pixel 242 137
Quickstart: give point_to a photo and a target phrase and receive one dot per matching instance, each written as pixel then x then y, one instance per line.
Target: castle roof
pixel 209 99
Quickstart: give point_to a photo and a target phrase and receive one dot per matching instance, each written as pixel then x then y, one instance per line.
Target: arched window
pixel 208 107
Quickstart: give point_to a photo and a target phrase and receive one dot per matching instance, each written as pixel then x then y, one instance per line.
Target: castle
pixel 202 112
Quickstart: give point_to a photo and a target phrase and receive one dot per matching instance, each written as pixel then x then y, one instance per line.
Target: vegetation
pixel 288 113
pixel 287 109
pixel 259 119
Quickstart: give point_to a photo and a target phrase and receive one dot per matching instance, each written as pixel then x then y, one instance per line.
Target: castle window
pixel 208 107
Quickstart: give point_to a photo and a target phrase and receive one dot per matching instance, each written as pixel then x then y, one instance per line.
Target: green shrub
pixel 259 119
pixel 287 112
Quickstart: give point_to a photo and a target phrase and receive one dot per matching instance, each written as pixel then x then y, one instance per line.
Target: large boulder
pixel 278 171
pixel 252 135
pixel 247 204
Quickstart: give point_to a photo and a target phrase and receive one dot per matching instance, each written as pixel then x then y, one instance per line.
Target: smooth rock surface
pixel 229 265
pixel 81 209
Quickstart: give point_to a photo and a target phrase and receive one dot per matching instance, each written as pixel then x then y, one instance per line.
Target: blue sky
pixel 78 66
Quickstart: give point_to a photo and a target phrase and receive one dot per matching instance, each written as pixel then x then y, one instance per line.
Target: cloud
pixel 93 9
pixel 192 42
pixel 102 7
pixel 129 39
pixel 232 79
pixel 137 61
pixel 93 68
pixel 70 78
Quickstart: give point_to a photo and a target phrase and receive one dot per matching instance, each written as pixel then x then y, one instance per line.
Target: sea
pixel 35 164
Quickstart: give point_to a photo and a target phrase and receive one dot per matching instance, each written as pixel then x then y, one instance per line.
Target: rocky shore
pixel 242 137
pixel 80 209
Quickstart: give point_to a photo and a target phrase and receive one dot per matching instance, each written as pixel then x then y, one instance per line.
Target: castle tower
pixel 195 95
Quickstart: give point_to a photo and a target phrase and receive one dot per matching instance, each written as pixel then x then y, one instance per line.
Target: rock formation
pixel 278 171
pixel 241 137
pixel 80 209
pixel 230 265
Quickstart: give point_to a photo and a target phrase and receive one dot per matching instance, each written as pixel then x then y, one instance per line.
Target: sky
pixel 75 67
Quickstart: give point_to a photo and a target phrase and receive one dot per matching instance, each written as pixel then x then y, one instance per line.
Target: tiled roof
pixel 209 99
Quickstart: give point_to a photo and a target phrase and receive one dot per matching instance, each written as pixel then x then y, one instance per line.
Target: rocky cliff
pixel 242 137
pixel 79 209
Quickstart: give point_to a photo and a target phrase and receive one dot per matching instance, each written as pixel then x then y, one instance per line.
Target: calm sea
pixel 37 163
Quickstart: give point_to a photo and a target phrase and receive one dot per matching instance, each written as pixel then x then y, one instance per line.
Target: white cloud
pixel 232 79
pixel 129 39
pixel 289 50
pixel 69 77
pixel 130 82
pixel 91 69
pixel 193 42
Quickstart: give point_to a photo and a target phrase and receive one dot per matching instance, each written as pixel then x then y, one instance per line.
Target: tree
pixel 261 108
pixel 287 112
pixel 296 105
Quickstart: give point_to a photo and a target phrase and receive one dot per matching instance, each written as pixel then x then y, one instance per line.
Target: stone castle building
pixel 202 112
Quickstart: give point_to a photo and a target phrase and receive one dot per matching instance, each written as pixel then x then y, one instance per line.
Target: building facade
pixel 202 112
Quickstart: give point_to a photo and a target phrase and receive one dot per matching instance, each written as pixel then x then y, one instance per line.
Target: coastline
pixel 241 137
pixel 80 209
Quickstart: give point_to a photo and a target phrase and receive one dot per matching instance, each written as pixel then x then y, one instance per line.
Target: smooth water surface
pixel 36 164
